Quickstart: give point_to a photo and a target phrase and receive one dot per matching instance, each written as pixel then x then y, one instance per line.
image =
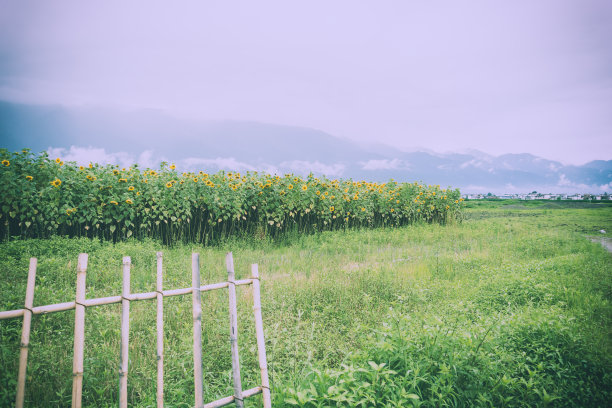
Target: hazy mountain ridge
pixel 241 145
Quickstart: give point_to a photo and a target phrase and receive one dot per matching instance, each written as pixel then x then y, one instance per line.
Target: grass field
pixel 511 307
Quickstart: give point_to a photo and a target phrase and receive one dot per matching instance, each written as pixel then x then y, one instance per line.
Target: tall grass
pixel 500 310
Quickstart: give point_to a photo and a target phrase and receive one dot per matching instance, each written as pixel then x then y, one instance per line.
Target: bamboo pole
pixel 261 345
pixel 125 333
pixel 25 334
pixel 233 312
pixel 160 333
pixel 228 400
pixel 197 329
pixel 79 333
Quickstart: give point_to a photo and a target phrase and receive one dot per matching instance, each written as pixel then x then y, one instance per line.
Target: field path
pixel 606 242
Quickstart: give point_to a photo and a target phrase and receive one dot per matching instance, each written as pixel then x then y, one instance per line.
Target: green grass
pixel 509 308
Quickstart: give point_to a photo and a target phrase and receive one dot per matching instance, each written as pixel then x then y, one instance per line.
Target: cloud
pixel 222 163
pixel 573 187
pixel 385 164
pixel 86 155
pixel 305 167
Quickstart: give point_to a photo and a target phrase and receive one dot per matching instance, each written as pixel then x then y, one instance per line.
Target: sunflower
pixel 114 202
pixel 131 188
pixel 56 183
pixel 58 160
pixel 331 209
pixel 81 168
pixel 115 172
pixel 304 187
pixel 172 167
pixel 129 201
pixel 169 184
pixel 6 162
pixel 290 186
pixel 29 178
pixel 124 180
pixel 195 179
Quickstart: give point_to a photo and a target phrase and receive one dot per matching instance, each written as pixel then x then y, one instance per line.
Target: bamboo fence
pixel 81 303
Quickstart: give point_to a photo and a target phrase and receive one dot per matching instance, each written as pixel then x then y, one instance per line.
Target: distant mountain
pixel 238 145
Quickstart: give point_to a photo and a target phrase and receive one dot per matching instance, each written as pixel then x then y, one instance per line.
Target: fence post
pixel 25 333
pixel 125 333
pixel 233 316
pixel 197 329
pixel 160 333
pixel 261 345
pixel 79 333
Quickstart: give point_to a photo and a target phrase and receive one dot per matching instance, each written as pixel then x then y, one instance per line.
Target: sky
pixel 517 76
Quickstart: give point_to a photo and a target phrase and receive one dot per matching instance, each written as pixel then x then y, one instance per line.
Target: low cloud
pixel 385 164
pixel 86 155
pixel 306 167
pixel 221 163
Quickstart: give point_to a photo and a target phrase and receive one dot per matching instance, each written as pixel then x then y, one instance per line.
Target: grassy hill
pixel 509 308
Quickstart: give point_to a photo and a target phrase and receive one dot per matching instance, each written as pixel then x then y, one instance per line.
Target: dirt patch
pixel 605 241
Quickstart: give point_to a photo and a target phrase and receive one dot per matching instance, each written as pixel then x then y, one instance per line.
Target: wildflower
pixel 304 187
pixel 6 162
pixel 114 202
pixel 131 188
pixel 129 201
pixel 29 178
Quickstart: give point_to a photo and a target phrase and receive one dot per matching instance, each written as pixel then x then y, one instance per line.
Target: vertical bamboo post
pixel 79 333
pixel 125 333
pixel 197 329
pixel 25 333
pixel 160 334
pixel 261 345
pixel 233 312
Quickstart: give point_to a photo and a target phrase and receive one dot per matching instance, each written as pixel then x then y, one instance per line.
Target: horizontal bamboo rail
pixel 60 307
pixel 81 303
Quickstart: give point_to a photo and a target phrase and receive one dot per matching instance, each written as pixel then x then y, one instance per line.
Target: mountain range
pixel 150 136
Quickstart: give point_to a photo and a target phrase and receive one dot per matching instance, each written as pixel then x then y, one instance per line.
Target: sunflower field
pixel 42 196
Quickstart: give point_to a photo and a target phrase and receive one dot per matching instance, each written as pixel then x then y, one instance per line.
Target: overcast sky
pixel 499 76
